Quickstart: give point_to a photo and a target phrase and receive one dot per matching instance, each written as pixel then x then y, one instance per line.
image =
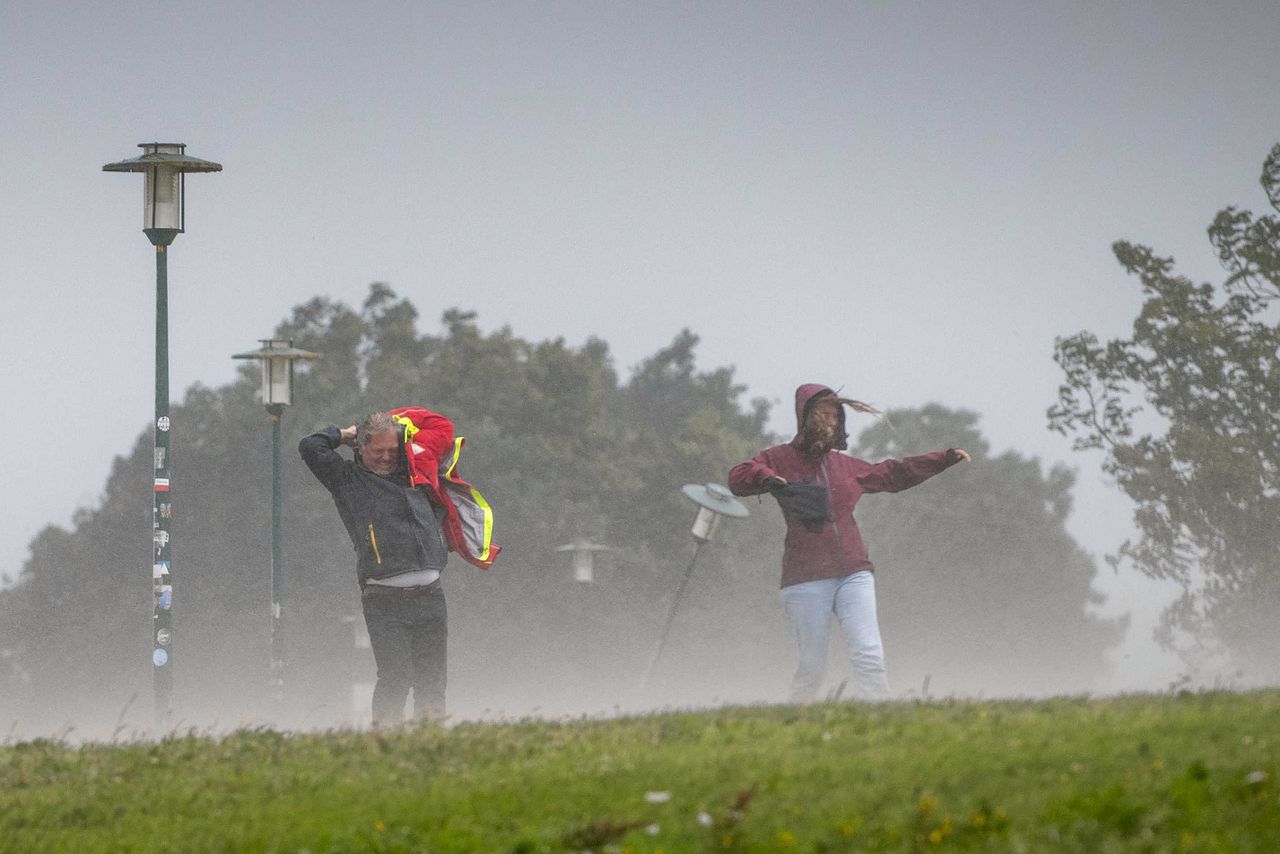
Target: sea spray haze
pixel 563 448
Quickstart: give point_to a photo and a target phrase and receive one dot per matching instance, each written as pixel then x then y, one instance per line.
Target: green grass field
pixel 1195 772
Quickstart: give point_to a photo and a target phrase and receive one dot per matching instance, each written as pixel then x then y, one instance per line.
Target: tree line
pixel 563 447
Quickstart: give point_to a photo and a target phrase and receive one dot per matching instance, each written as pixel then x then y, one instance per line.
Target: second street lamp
pixel 714 501
pixel 277 356
pixel 583 558
pixel 165 166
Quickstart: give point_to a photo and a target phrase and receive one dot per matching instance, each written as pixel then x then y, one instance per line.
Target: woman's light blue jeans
pixel 853 600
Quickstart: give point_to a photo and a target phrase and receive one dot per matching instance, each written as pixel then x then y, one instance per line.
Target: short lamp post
pixel 714 503
pixel 165 166
pixel 583 558
pixel 277 357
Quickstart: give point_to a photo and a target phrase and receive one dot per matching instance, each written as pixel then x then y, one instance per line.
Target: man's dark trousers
pixel 409 633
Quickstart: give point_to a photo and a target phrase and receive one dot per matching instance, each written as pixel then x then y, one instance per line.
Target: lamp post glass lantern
pixel 583 558
pixel 164 166
pixel 276 357
pixel 714 502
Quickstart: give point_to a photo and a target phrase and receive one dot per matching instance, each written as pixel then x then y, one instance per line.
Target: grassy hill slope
pixel 1145 773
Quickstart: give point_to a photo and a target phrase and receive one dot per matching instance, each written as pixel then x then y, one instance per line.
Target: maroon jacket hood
pixel 805 395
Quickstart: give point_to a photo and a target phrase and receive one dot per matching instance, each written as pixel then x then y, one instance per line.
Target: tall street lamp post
pixel 714 502
pixel 277 356
pixel 163 218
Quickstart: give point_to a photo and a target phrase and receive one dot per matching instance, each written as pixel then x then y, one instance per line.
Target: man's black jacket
pixel 392 525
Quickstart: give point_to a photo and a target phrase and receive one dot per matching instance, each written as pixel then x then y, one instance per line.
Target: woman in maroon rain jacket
pixel 825 568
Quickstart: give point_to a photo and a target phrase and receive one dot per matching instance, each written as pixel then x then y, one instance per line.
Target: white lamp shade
pixel 163 199
pixel 277 381
pixel 705 524
pixel 583 566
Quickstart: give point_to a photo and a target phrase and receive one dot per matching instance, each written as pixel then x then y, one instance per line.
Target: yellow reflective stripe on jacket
pixel 488 522
pixel 410 429
pixel 453 460
pixel 477 501
pixel 373 541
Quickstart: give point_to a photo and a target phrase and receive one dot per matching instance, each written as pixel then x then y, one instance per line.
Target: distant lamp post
pixel 583 558
pixel 714 503
pixel 165 166
pixel 277 356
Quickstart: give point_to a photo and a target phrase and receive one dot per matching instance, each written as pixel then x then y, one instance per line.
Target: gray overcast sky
pixel 909 199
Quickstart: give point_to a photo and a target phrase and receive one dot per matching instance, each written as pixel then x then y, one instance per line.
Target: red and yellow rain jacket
pixel 432 454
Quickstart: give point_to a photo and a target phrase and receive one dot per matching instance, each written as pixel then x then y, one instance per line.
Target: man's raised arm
pixel 320 452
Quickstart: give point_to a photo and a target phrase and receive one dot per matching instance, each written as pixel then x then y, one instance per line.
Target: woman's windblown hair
pixel 859 406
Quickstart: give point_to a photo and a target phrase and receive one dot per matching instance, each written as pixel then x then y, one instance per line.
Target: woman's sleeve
pixel 897 475
pixel 748 478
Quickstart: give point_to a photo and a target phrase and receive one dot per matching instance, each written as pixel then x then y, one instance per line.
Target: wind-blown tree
pixel 1201 364
pixel 982 589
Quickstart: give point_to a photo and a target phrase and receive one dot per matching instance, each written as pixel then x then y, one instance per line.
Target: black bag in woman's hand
pixel 806 501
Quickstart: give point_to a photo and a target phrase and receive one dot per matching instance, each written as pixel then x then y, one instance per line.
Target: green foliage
pixel 977 575
pixel 1185 411
pixel 1184 773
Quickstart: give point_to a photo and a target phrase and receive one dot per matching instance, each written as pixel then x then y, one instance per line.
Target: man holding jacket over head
pixel 825 567
pixel 398 534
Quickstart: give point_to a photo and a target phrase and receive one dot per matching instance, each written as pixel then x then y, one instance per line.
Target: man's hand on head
pixel 348 435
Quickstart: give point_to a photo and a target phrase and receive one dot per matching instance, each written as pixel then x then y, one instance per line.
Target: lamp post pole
pixel 277 561
pixel 671 614
pixel 277 357
pixel 165 166
pixel 714 502
pixel 162 507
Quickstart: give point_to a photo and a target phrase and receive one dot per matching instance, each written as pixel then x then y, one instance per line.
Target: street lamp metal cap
pixel 172 154
pixel 716 498
pixel 277 348
pixel 581 545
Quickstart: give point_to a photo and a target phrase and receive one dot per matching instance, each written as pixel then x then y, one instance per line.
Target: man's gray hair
pixel 374 424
